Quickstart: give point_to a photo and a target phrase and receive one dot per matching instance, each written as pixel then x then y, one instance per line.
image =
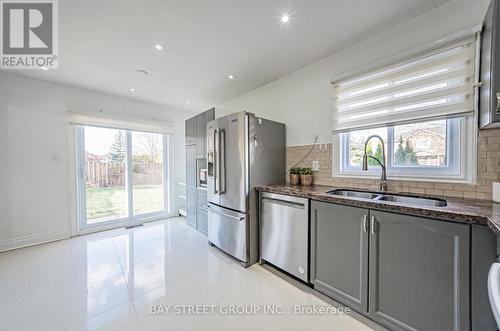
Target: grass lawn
pixel 111 202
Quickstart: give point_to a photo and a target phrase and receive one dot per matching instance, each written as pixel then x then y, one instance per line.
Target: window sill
pixel 423 178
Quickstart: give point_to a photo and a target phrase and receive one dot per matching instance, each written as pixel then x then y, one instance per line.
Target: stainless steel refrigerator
pixel 244 151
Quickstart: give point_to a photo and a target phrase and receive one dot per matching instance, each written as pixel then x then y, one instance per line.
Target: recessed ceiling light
pixel 132 89
pixel 158 46
pixel 188 102
pixel 285 18
pixel 44 68
pixel 230 76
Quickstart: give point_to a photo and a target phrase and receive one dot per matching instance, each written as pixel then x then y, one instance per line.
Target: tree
pixel 400 152
pixel 405 155
pixel 151 147
pixel 117 150
pixel 410 154
pixel 378 155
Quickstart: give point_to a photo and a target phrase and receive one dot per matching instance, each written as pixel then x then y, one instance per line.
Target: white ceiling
pixel 103 43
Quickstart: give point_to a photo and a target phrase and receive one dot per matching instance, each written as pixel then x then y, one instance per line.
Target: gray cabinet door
pixel 201 132
pixel 191 191
pixel 490 68
pixel 191 128
pixel 191 209
pixel 191 166
pixel 201 212
pixel 419 273
pixel 339 253
pixel 202 220
pixel 483 255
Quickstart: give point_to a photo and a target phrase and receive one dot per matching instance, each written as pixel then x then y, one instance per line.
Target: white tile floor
pixel 110 280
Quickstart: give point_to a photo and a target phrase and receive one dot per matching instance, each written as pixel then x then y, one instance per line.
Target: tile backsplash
pixel 488 171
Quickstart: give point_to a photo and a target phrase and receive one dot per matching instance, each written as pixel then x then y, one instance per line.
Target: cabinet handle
pixel 373 224
pixel 365 223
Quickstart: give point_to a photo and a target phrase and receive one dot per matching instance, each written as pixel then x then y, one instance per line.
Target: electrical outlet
pixel 315 165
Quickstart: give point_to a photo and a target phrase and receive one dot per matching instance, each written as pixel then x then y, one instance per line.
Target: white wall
pixel 37 153
pixel 303 99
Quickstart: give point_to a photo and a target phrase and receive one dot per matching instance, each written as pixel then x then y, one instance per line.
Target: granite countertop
pixel 470 211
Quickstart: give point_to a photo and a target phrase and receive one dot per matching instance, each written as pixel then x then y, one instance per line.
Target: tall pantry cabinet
pixel 196 164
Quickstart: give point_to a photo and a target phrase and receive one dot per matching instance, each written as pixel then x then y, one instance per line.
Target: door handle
pixel 372 225
pixel 216 163
pixel 365 222
pixel 222 186
pixel 226 215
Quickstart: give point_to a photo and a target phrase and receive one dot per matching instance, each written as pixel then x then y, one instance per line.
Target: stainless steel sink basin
pixel 417 201
pixel 355 194
pixel 413 200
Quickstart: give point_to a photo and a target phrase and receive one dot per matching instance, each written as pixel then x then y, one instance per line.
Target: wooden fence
pixel 108 174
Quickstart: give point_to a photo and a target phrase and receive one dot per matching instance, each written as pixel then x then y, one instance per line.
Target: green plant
pixel 295 171
pixel 405 155
pixel 306 171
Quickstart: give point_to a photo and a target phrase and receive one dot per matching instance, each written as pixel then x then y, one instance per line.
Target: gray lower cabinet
pixel 483 255
pixel 191 191
pixel 191 210
pixel 339 253
pixel 202 213
pixel 419 273
pixel 405 272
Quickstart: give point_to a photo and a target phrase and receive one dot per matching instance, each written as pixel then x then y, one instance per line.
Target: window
pixel 147 172
pixel 105 172
pixel 418 149
pixel 123 175
pixel 422 108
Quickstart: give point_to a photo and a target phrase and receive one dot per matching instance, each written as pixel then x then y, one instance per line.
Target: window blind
pixel 124 123
pixel 436 84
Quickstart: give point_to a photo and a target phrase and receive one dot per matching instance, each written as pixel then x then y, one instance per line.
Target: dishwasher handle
pixel 284 203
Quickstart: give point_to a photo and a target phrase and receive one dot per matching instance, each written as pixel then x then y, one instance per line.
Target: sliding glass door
pixel 148 191
pixel 122 176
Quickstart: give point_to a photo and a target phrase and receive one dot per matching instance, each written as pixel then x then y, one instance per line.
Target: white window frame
pixel 458 131
pixel 468 130
pixel 130 219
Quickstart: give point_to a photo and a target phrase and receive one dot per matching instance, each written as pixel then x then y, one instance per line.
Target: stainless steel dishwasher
pixel 285 233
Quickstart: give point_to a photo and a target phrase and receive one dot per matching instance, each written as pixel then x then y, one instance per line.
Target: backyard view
pixel 107 184
pixel 111 201
pixel 416 144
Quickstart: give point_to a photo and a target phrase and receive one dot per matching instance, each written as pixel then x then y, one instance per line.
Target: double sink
pixel 398 198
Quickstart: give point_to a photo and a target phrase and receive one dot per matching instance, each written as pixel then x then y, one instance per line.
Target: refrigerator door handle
pixel 218 158
pixel 216 162
pixel 222 185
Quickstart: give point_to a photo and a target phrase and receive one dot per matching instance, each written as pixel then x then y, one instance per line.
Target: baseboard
pixel 25 241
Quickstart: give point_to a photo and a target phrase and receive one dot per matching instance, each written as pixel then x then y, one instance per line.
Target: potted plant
pixel 294 176
pixel 306 176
